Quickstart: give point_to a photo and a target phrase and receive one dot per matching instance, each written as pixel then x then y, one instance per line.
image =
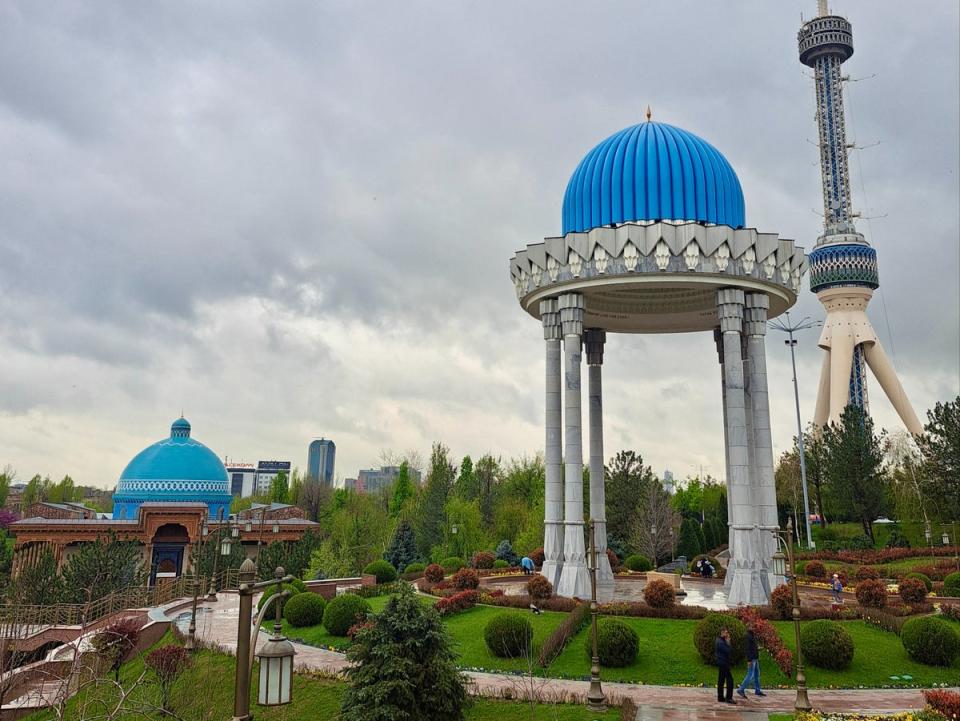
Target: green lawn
pixel 318 636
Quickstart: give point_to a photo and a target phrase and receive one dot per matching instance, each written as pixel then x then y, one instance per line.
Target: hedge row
pixel 561 635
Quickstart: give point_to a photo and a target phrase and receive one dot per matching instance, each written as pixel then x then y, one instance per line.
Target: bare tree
pixel 657 524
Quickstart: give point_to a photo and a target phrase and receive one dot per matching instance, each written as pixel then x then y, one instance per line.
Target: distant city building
pixel 352 484
pixel 267 471
pixel 247 479
pixel 321 456
pixel 668 484
pixel 374 479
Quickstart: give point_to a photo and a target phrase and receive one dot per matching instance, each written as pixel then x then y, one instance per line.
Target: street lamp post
pixel 802 702
pixel 191 642
pixel 596 700
pixel 786 327
pixel 221 548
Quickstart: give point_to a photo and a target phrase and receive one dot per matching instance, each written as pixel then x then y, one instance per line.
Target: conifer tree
pixel 402 550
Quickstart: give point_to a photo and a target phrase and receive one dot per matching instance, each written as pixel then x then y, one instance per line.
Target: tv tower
pixel 843 266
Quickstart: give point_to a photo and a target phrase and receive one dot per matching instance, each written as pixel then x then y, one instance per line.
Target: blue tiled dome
pixel 177 468
pixel 652 171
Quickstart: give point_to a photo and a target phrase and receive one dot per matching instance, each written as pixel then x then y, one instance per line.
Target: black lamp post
pixel 596 700
pixel 802 702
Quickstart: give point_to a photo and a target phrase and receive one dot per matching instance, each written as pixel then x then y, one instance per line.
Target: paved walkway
pixel 217 625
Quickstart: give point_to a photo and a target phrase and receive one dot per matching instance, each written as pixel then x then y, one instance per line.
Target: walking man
pixel 724 652
pixel 753 666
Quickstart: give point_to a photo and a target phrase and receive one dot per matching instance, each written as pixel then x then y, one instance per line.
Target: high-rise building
pixel 843 266
pixel 373 479
pixel 321 456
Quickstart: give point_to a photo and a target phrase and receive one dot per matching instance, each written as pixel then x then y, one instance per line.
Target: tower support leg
pixel 594 342
pixel 553 458
pixel 887 377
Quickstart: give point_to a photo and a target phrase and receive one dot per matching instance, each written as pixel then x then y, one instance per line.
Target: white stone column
pixel 594 340
pixel 574 577
pixel 745 585
pixel 762 479
pixel 718 339
pixel 553 456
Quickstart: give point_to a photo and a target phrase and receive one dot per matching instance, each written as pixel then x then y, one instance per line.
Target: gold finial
pixel 649 113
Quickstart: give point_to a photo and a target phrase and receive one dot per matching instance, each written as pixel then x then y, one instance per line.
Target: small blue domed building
pixel 175 469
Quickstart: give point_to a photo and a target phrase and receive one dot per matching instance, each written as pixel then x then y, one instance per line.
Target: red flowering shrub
pixel 912 590
pixel 614 561
pixel 767 637
pixel 944 702
pixel 815 569
pixel 556 603
pixel 659 594
pixel 482 559
pixel 537 557
pixel 866 573
pixel 539 587
pixel 457 602
pixel 357 628
pixel 433 573
pixel 167 663
pixel 781 601
pixel 872 594
pixel 465 579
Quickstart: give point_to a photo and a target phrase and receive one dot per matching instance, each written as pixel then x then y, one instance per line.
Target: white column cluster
pixel 594 340
pixel 574 577
pixel 553 455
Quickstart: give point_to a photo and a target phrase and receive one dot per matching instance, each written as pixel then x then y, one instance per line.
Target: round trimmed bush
pixel 383 570
pixel 272 589
pixel 305 609
pixel 866 573
pixel 815 569
pixel 800 568
pixel 452 564
pixel 930 640
pixel 539 587
pixel 537 556
pixel 872 593
pixel 912 590
pixel 659 594
pixel 617 643
pixel 508 635
pixel 343 612
pixel 434 573
pixel 500 563
pixel 707 630
pixel 781 601
pixel 718 570
pixel 482 559
pixel 415 567
pixel 466 579
pixel 923 578
pixel 613 559
pixel 299 585
pixel 951 585
pixel 636 562
pixel 826 644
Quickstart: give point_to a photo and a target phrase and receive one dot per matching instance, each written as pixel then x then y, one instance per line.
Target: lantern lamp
pixel 276 672
pixel 225 547
pixel 779 564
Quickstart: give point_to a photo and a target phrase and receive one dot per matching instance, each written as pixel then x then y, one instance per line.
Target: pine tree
pixel 466 485
pixel 940 445
pixel 404 667
pixel 402 550
pixel 403 491
pixel 39 583
pixel 101 567
pixel 625 483
pixel 702 538
pixel 430 523
pixel 279 488
pixel 689 542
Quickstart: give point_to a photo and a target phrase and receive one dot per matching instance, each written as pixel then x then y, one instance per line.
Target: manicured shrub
pixel 299 585
pixel 561 635
pixel 826 644
pixel 617 643
pixel 866 573
pixel 500 563
pixel 537 557
pixel 923 578
pixel 452 564
pixel 460 601
pixel 482 559
pixel 707 630
pixel 636 562
pixel 305 609
pixel 781 601
pixel 508 635
pixel 505 552
pixel 912 590
pixel 270 590
pixel 343 612
pixel 944 702
pixel 767 637
pixel 815 569
pixel 434 573
pixel 384 572
pixel 872 593
pixel 930 640
pixel 951 585
pixel 800 568
pixel 718 570
pixel 539 587
pixel 659 594
pixel 415 568
pixel 466 579
pixel 614 560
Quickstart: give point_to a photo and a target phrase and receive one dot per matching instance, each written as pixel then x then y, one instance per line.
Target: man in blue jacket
pixel 753 666
pixel 724 652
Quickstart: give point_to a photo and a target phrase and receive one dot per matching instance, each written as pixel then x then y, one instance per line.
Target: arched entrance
pixel 169 544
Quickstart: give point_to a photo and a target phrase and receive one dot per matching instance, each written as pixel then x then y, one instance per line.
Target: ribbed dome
pixel 652 171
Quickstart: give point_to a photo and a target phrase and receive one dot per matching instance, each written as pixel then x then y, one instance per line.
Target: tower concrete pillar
pixel 745 585
pixel 574 577
pixel 762 480
pixel 553 456
pixel 594 340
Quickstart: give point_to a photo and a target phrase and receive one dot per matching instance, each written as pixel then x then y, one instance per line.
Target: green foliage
pixel 930 640
pixel 402 551
pixel 625 480
pixel 404 668
pixel 271 590
pixel 500 563
pixel 826 644
pixel 508 635
pixel 417 567
pixel 293 557
pixel 708 629
pixel 636 562
pixel 505 552
pixel 167 663
pixel 403 491
pixel 940 446
pixel 951 585
pixel 466 486
pixel 923 578
pixel 343 612
pixel 383 570
pixel 279 488
pixel 452 564
pixel 101 567
pixel 38 583
pixel 617 643
pixel 689 542
pixel 6 478
pixel 64 492
pixel 430 519
pixel 470 536
pixel 304 609
pixel 359 528
pixel 208 551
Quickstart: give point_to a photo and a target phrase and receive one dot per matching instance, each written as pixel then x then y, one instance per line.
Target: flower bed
pixel 768 638
pixel 457 602
pixel 642 610
pixel 874 556
pixel 836 716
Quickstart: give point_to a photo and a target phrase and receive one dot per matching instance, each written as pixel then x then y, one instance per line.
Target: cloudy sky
pixel 294 219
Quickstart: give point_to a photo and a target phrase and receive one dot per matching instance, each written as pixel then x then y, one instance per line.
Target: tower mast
pixel 843 266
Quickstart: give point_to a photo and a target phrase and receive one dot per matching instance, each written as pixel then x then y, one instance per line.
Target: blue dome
pixel 652 171
pixel 176 469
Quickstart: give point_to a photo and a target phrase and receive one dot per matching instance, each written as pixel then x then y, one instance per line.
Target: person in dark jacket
pixel 724 653
pixel 753 666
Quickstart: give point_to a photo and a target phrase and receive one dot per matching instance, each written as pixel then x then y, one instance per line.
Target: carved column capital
pixel 594 339
pixel 572 309
pixel 550 317
pixel 755 315
pixel 730 310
